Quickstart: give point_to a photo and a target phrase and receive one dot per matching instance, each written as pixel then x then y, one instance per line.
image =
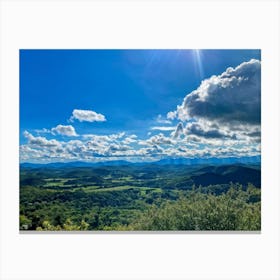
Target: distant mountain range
pixel 213 160
pixel 167 161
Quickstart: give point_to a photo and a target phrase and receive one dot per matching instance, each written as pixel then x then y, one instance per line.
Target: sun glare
pixel 198 62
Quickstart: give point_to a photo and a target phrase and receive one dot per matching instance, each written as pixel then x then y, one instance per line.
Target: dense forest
pixel 140 197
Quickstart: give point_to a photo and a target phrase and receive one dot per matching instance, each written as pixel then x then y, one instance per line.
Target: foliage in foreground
pixel 234 210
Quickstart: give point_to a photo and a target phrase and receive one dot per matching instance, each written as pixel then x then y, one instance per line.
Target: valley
pixel 123 196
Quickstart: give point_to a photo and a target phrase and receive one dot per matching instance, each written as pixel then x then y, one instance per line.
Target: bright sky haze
pixel 139 105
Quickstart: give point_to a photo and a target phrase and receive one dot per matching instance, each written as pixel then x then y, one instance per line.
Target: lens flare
pixel 198 63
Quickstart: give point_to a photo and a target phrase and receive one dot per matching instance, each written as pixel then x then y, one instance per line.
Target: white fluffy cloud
pixel 43 130
pixel 40 141
pixel 130 139
pixel 232 97
pixel 158 139
pixel 105 138
pixel 67 130
pixel 172 115
pixel 87 116
pixel 224 107
pixel 110 147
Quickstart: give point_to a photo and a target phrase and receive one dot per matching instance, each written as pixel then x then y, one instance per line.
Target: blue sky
pixel 138 104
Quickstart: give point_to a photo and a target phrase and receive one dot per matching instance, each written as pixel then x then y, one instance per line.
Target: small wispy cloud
pixel 43 130
pixel 162 120
pixel 163 128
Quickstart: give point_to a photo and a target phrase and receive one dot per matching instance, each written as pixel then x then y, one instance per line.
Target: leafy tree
pixel 24 222
pixel 198 211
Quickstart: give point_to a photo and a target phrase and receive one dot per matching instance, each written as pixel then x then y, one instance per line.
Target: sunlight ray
pixel 198 63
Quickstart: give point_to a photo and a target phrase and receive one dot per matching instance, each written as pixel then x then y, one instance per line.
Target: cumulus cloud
pixel 172 115
pixel 158 139
pixel 153 151
pixel 27 153
pixel 179 130
pixel 233 96
pixel 43 130
pixel 67 130
pixel 40 141
pixel 224 110
pixel 130 139
pixel 207 132
pixel 117 148
pixel 103 147
pixel 105 138
pixel 75 148
pixel 87 116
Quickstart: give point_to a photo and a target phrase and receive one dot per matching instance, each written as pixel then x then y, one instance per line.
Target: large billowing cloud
pixel 232 97
pixel 67 130
pixel 87 116
pixel 208 131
